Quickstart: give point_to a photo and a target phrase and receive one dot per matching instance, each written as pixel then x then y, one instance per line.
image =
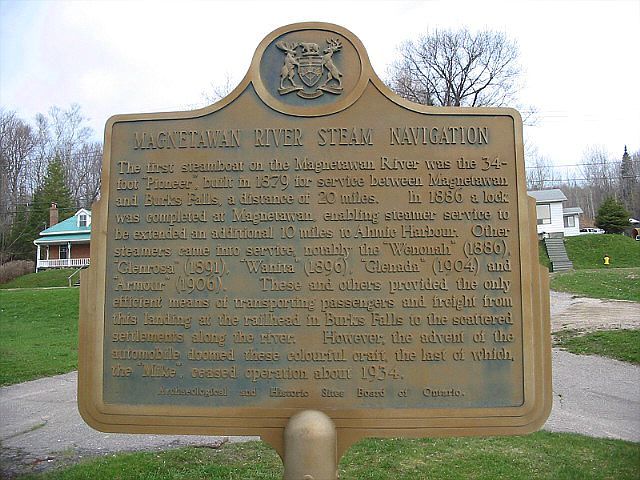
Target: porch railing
pixel 63 263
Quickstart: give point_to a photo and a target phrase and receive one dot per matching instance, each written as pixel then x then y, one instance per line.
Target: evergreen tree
pixel 53 190
pixel 612 217
pixel 19 242
pixel 628 182
pixel 29 223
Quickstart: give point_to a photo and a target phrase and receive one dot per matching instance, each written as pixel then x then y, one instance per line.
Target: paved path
pixel 595 396
pixel 40 425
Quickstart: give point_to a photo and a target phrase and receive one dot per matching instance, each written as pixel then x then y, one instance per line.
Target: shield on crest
pixel 310 69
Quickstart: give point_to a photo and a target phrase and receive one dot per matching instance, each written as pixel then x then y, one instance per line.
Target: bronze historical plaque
pixel 313 241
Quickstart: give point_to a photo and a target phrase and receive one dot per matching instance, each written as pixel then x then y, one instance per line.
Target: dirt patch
pixel 572 312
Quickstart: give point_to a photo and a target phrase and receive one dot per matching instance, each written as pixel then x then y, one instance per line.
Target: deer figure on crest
pixel 334 45
pixel 288 69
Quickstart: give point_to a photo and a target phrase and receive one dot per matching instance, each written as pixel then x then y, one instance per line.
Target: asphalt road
pixel 595 396
pixel 41 425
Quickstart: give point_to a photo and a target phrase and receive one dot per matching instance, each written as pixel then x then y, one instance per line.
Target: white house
pixel 552 217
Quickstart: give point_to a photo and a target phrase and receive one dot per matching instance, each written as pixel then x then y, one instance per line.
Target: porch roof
pixel 572 211
pixel 71 237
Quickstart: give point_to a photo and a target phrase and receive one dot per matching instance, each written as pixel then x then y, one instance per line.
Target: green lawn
pixel 538 456
pixel 39 333
pixel 591 278
pixel 615 283
pixel 619 344
pixel 588 251
pixel 543 257
pixel 47 278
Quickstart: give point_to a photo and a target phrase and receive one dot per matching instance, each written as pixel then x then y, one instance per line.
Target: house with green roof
pixel 64 244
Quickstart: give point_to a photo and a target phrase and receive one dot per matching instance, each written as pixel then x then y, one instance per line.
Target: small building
pixel 552 217
pixel 65 244
pixel 571 216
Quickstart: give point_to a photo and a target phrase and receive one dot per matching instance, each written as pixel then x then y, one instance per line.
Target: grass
pixel 541 456
pixel 588 251
pixel 47 278
pixel 591 278
pixel 39 333
pixel 622 345
pixel 615 283
pixel 543 257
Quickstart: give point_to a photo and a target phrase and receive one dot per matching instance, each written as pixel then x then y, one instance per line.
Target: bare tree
pixel 64 134
pixel 83 179
pixel 599 173
pixel 41 153
pixel 540 171
pixel 68 141
pixel 17 142
pixel 457 68
pixel 219 91
pixel 599 177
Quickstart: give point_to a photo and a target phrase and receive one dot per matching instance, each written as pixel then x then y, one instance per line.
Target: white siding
pixel 557 222
pixel 575 230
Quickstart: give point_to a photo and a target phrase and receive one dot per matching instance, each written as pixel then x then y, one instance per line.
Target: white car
pixel 586 231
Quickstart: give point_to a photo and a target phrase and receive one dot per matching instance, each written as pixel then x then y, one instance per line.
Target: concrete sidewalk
pixel 41 426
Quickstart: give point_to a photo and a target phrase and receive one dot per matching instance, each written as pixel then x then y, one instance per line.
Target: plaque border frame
pixel 351 424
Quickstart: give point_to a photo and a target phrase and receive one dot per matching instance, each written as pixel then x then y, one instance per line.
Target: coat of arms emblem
pixel 309 67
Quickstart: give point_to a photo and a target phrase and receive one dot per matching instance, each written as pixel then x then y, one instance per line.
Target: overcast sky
pixel 580 58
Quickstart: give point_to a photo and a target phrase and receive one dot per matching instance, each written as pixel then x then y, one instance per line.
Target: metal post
pixel 310 447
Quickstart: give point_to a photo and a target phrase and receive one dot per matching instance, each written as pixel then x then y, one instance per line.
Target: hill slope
pixel 588 251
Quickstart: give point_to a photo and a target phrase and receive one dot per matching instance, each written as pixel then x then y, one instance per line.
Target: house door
pixel 63 252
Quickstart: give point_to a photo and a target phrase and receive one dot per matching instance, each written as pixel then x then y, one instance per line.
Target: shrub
pixel 612 216
pixel 15 269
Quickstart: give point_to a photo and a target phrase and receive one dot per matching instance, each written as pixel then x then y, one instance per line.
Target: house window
pixel 543 212
pixel 82 220
pixel 569 221
pixel 63 252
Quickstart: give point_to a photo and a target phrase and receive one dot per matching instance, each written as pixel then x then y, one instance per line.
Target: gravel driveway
pixel 571 312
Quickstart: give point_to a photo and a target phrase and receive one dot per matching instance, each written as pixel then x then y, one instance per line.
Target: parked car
pixel 586 231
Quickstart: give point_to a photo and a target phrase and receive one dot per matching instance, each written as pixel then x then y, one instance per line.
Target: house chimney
pixel 53 214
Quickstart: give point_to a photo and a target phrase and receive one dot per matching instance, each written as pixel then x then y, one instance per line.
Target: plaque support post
pixel 310 447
